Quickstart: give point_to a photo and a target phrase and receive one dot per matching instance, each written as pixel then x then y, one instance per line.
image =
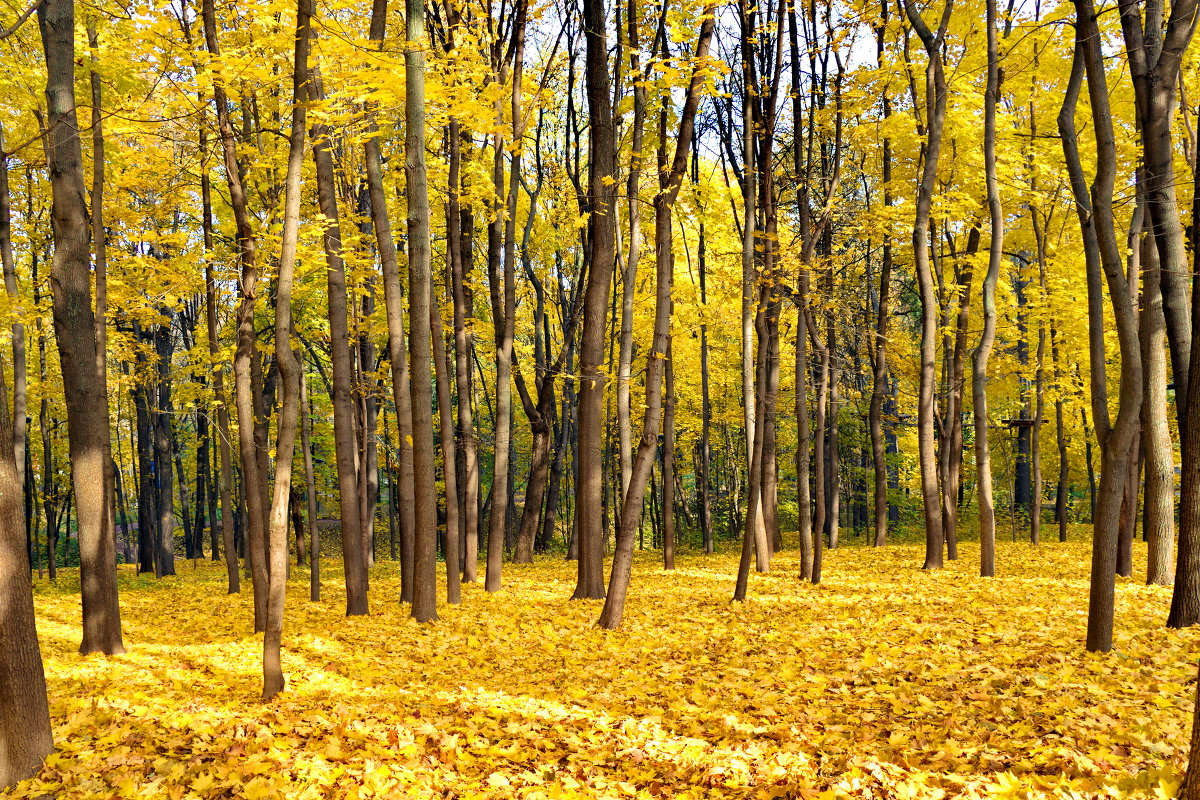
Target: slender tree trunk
pixel 633 254
pixel 935 101
pixel 706 520
pixel 223 435
pixel 339 345
pixel 669 183
pixel 590 534
pixel 255 517
pixel 164 479
pixel 1102 255
pixel 289 367
pixel 668 462
pixel 455 238
pixel 880 368
pixel 449 455
pixel 820 464
pixel 385 243
pixel 420 283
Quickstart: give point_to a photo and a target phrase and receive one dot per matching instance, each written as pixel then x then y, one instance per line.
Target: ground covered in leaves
pixel 885 681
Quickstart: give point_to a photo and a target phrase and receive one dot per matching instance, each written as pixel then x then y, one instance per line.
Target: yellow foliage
pixel 883 682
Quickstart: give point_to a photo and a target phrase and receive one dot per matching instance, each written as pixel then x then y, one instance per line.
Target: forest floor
pixel 885 681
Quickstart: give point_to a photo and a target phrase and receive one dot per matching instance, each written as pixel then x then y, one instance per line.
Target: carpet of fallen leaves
pixel 884 682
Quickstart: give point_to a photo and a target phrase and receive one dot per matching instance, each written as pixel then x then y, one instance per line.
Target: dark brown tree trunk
pixel 600 256
pixel 668 462
pixel 449 457
pixel 880 367
pixel 164 478
pixel 385 244
pixel 314 536
pixel 339 334
pixel 75 331
pixel 420 283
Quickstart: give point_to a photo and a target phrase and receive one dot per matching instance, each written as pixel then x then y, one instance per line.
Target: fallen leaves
pixel 884 682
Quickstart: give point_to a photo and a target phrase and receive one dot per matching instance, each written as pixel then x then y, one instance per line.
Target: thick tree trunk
pixel 74 325
pixel 1159 523
pixel 25 736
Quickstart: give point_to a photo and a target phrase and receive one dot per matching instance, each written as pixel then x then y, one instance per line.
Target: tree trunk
pixel 289 367
pixel 385 245
pixel 25 735
pixel 1102 255
pixel 339 345
pixel 1159 523
pixel 880 368
pixel 255 517
pixel 449 454
pixel 20 379
pixel 664 257
pixel 668 462
pixel 420 283
pixel 75 331
pixel 600 256
pixel 633 254
pixel 935 100
pixel 233 576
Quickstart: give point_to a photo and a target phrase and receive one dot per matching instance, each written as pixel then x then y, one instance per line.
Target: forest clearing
pixel 883 681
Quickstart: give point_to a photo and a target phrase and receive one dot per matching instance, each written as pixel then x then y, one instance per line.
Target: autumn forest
pixel 628 398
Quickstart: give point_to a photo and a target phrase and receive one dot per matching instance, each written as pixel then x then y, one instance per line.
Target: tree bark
pixel 600 262
pixel 339 345
pixel 420 283
pixel 669 183
pixel 255 517
pixel 1159 523
pixel 25 735
pixel 935 101
pixel 983 352
pixel 385 245
pixel 1102 255
pixel 74 325
pixel 288 365
pixel 20 377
